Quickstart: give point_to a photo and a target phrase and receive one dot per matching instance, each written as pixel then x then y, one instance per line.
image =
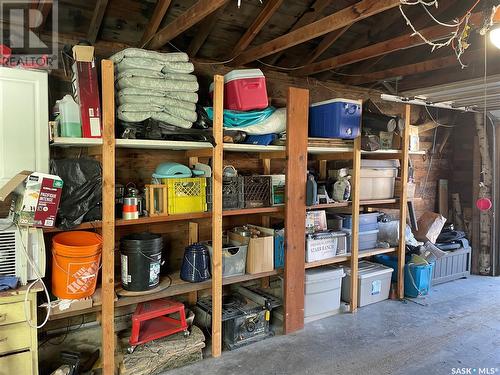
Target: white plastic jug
pixel 69 117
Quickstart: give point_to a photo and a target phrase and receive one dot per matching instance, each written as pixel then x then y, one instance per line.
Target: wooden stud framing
pixel 326 43
pixel 265 14
pixel 95 23
pixel 155 21
pixel 192 238
pixel 200 10
pixel 403 197
pixel 336 21
pixel 355 198
pixel 108 215
pixel 204 29
pixel 295 208
pixel 217 166
pixel 382 48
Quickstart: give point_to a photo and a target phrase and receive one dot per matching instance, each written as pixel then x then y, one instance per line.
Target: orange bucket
pixel 76 257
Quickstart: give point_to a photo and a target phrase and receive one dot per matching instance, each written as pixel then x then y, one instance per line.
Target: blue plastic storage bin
pixel 417 277
pixel 335 118
pixel 279 248
pixel 367 222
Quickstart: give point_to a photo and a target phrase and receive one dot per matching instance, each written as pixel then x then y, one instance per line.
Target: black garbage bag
pixel 82 191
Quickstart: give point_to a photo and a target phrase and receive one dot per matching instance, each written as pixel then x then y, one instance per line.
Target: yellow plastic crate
pixel 186 195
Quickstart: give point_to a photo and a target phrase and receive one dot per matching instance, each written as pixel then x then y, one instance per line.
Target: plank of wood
pixel 309 16
pixel 326 43
pixel 405 145
pixel 295 208
pixel 406 70
pixel 205 28
pixel 265 14
pixel 355 197
pixel 200 10
pixel 338 20
pixel 192 238
pixel 95 23
pixel 108 214
pixel 44 7
pixel 217 166
pixel 382 48
pixel 155 21
pixel 443 197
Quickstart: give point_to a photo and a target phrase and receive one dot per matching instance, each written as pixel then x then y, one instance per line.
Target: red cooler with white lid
pixel 245 90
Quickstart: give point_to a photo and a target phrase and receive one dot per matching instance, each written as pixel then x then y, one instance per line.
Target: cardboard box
pixel 429 225
pixel 86 90
pixel 260 251
pixel 36 198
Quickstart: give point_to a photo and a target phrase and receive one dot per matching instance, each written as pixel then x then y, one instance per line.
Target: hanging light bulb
pixel 495 28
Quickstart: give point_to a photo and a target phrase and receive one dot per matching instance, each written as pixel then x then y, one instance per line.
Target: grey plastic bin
pixel 322 292
pixel 374 283
pixel 234 258
pixel 367 240
pixel 454 265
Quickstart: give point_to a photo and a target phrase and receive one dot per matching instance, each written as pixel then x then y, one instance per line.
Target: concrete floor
pixel 456 327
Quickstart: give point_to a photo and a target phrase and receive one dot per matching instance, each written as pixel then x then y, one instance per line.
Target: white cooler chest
pixel 322 292
pixel 374 283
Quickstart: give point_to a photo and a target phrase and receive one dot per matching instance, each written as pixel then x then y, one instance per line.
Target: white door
pixel 24 141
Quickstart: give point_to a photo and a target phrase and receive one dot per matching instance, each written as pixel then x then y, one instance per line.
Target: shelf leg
pixel 217 163
pixel 355 181
pixel 403 207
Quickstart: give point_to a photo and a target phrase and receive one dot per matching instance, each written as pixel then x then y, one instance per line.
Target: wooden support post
pixel 476 227
pixel 266 169
pixel 217 218
pixel 403 197
pixel 108 217
pixel 355 198
pixel 295 208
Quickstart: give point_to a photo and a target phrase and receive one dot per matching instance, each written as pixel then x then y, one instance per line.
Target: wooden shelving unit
pixel 295 153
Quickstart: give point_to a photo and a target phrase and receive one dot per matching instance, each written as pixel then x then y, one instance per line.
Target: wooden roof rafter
pixel 155 21
pixel 359 11
pixel 193 15
pixel 436 32
pixel 95 23
pixel 265 14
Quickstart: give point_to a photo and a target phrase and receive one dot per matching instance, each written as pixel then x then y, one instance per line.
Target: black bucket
pixel 141 261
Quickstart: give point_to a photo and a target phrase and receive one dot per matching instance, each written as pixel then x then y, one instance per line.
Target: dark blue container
pixel 336 118
pixel 417 277
pixel 195 264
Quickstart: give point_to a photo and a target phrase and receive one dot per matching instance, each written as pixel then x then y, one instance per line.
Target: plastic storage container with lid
pixel 366 240
pixel 322 292
pixel 69 117
pixel 377 178
pixel 245 90
pixel 335 118
pixel 374 283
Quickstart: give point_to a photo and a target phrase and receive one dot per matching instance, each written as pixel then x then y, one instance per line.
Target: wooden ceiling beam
pixel 361 10
pixel 309 16
pixel 95 23
pixel 265 14
pixel 410 69
pixel 205 28
pixel 155 21
pixel 326 43
pixel 44 7
pixel 401 42
pixel 193 15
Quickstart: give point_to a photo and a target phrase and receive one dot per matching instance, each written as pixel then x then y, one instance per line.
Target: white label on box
pixel 95 126
pixel 321 248
pixel 376 287
pixel 124 269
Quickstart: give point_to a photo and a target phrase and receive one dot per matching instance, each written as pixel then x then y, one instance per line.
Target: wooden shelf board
pixel 346 204
pixel 76 142
pixel 253 211
pixel 178 217
pixel 161 145
pixel 372 252
pixel 328 150
pixel 325 262
pixel 241 147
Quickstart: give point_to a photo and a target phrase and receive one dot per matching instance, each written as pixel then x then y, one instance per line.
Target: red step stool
pixel 150 321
